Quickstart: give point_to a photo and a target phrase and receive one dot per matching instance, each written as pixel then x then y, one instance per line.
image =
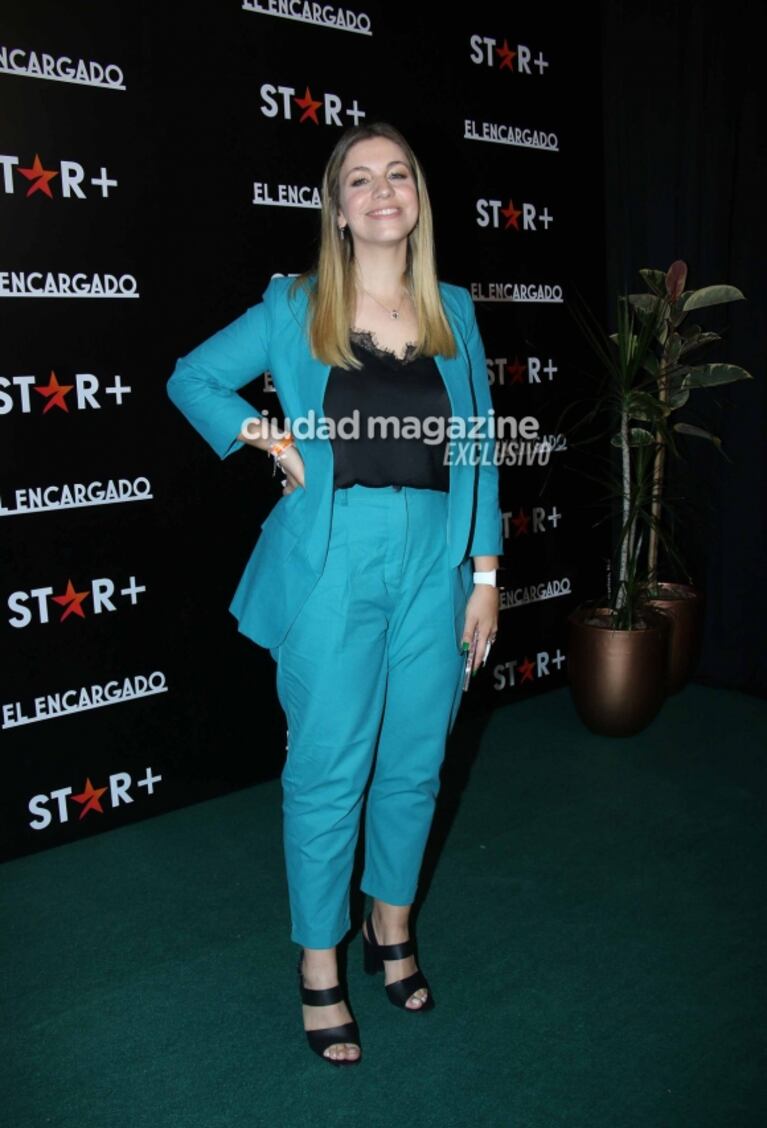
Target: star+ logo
pixel 485 51
pixel 70 179
pixel 325 109
pixel 34 606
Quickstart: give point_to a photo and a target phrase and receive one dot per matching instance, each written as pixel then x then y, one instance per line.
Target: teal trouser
pixel 369 673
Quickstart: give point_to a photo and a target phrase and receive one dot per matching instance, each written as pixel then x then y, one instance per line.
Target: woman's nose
pixel 383 187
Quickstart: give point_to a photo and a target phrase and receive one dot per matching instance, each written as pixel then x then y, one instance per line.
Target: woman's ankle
pixel 320 963
pixel 391 921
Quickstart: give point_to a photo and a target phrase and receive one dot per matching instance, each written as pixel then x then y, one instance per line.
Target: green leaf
pixel 698 432
pixel 638 437
pixel 678 398
pixel 697 340
pixel 678 311
pixel 644 303
pixel 655 279
pixel 709 296
pixel 707 375
pixel 673 349
pixel 644 405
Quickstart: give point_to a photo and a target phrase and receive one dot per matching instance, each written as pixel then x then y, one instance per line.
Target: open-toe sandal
pixel 319 1040
pixel 400 991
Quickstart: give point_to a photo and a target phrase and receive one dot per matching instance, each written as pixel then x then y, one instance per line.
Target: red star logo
pixel 40 176
pixel 512 215
pixel 526 670
pixel 309 106
pixel 90 798
pixel 74 599
pixel 507 56
pixel 521 523
pixel 54 393
pixel 516 371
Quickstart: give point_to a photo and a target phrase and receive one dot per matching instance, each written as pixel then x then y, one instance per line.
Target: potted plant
pixel 617 647
pixel 674 378
pixel 628 648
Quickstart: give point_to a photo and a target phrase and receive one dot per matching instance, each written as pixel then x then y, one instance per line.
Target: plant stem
pixel 626 507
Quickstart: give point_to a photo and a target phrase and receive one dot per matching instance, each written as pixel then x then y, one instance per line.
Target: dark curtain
pixel 685 179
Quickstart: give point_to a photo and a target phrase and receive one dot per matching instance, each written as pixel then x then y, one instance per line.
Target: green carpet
pixel 593 928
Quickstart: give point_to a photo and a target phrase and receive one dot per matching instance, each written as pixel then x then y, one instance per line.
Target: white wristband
pixel 485 578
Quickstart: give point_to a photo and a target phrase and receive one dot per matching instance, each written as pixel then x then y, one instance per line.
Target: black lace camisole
pixel 387 393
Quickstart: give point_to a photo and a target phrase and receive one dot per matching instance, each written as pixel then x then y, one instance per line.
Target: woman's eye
pixel 361 179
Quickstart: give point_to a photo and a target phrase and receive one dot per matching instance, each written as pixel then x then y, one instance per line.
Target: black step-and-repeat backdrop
pixel 157 166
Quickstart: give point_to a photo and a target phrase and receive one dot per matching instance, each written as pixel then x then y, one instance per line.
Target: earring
pixel 342 232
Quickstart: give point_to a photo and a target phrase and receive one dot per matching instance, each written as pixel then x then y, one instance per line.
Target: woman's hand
pixel 482 613
pixel 292 466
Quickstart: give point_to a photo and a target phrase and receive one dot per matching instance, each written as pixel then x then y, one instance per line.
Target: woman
pixel 380 552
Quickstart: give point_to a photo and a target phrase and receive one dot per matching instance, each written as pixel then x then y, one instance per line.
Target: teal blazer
pixel 289 554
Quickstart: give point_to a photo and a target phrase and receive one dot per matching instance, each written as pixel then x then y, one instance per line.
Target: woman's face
pixel 377 191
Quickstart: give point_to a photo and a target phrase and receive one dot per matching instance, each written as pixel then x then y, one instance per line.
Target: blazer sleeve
pixel 204 384
pixel 487 539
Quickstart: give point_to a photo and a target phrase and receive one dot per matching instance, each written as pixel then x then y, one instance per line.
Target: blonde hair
pixel 332 299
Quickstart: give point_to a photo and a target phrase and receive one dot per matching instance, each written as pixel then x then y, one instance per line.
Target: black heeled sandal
pixel 319 1040
pixel 400 991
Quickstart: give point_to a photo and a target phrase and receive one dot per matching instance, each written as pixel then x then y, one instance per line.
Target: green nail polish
pixel 464 647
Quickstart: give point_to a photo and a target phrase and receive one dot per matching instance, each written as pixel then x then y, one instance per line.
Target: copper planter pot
pixel 617 678
pixel 684 606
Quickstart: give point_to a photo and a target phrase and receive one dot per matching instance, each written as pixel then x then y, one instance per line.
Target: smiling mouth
pixel 384 213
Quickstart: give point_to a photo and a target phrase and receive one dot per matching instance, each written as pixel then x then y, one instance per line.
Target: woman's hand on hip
pixel 482 614
pixel 292 467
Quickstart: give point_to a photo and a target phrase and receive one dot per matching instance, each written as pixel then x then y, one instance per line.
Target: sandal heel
pixel 372 962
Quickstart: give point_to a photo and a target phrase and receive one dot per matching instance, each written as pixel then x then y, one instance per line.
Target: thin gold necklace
pixel 393 313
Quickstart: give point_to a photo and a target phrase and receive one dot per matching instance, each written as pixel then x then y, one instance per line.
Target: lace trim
pixel 367 339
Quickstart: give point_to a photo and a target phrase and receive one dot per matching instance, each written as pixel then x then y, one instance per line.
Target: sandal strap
pixel 402 989
pixel 322 996
pixel 329 1035
pixel 396 951
pixel 389 951
pixel 318 996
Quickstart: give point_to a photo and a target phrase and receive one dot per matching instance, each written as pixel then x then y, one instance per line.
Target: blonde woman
pixel 374 576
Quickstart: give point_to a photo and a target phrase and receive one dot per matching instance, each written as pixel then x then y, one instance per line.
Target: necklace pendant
pixel 395 314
